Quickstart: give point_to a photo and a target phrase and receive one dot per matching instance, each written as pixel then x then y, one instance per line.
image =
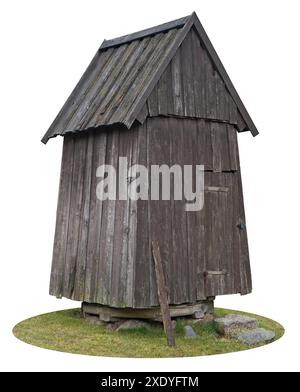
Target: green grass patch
pixel 66 331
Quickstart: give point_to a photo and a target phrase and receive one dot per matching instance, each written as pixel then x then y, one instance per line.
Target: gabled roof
pixel 122 75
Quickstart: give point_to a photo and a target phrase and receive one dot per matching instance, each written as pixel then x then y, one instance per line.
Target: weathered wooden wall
pixel 102 250
pixel 192 87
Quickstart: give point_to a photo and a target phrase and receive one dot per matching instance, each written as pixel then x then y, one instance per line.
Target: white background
pixel 45 47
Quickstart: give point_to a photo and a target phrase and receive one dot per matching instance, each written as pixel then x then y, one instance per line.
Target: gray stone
pixel 189 332
pixel 207 319
pixel 233 324
pixel 133 324
pixel 256 336
pixel 94 320
pixel 111 327
pixel 199 314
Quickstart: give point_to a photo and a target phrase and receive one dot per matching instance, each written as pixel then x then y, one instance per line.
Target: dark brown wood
pixel 162 294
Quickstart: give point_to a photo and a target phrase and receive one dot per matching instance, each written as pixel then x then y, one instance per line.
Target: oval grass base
pixel 66 331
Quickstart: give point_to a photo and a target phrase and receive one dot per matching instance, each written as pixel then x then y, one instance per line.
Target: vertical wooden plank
pixel 172 267
pixel 216 146
pixel 160 221
pixel 203 81
pixel 225 233
pixel 92 262
pixel 170 92
pixel 163 95
pixel 241 125
pixel 106 241
pixel 216 248
pixel 232 145
pixel 208 235
pixel 201 244
pixel 80 143
pixel 210 88
pixel 162 294
pixel 151 270
pixel 120 230
pixel 245 270
pixel 220 147
pixel 132 228
pixel 152 103
pixel 243 261
pixel 190 141
pixel 232 109
pixel 179 231
pixel 143 114
pixel 197 75
pixel 177 83
pixel 218 96
pixel 215 210
pixel 221 101
pixel 202 151
pixel 79 290
pixel 230 228
pixel 226 105
pixel 204 145
pixel 224 147
pixel 125 232
pixel 236 239
pixel 143 256
pixel 188 76
pixel 62 218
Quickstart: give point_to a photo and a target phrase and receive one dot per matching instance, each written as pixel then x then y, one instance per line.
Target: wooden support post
pixel 162 294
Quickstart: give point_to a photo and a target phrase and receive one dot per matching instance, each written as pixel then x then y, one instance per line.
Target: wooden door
pixel 219 239
pixel 223 264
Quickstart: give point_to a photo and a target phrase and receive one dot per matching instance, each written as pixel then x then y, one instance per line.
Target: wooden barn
pixel 158 96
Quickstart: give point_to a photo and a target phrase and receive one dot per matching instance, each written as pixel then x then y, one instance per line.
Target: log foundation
pixel 109 314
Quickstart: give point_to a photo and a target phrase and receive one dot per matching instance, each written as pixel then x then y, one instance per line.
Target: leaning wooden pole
pixel 162 294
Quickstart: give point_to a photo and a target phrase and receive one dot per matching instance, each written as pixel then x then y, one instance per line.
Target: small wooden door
pixel 223 266
pixel 219 238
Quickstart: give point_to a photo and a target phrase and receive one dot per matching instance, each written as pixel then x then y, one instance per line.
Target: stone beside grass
pixel 255 336
pixel 232 324
pixel 243 328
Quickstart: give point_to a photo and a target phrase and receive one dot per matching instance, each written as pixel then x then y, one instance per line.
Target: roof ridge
pixel 177 23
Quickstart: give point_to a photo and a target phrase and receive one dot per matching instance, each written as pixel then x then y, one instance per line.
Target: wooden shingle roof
pixel 124 72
